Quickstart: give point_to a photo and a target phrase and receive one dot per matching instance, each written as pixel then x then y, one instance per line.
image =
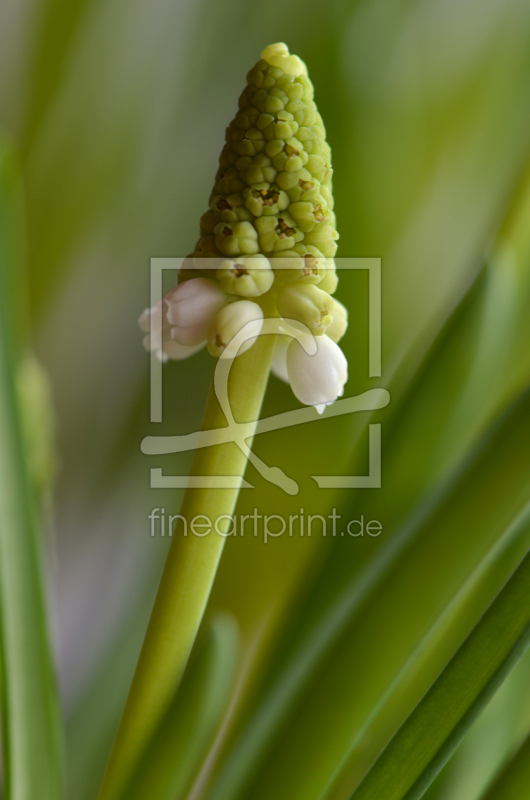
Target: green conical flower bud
pixel 308 304
pixel 248 276
pixel 273 187
pixel 268 234
pixel 272 195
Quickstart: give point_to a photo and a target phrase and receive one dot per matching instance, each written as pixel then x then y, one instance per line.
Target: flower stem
pixel 189 573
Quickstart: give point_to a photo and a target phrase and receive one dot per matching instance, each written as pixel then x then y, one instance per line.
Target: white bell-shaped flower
pixel 153 322
pixel 191 307
pixel 178 352
pixel 318 379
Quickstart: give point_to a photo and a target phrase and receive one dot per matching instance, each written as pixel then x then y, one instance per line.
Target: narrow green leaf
pixel 325 686
pixel 32 738
pixel 491 742
pixel 513 783
pixel 433 731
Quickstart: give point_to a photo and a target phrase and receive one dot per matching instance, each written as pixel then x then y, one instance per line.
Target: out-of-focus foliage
pixel 118 110
pixel 435 728
pixel 32 741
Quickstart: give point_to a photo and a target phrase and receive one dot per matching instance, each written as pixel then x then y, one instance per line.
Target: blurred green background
pixel 118 111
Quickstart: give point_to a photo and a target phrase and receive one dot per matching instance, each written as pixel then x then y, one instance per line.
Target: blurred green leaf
pixel 414 187
pixel 437 725
pixel 38 422
pixel 55 29
pixel 514 781
pixel 479 362
pixel 325 685
pixel 32 734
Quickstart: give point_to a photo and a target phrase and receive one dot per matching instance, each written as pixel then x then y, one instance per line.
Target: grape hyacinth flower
pixel 268 238
pixel 263 265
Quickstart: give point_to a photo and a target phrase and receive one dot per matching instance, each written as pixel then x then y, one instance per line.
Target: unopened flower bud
pixel 264 199
pixel 308 215
pixel 247 276
pixel 191 307
pixel 206 248
pixel 306 303
pixel 278 56
pixel 277 233
pixel 228 209
pixel 229 321
pixel 337 328
pixel 329 280
pixel 305 264
pixel 324 237
pixel 318 379
pixel 178 352
pixel 236 238
pixel 287 266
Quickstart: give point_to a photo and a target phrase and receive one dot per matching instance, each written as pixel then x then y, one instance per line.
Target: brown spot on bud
pixel 239 270
pixel 224 205
pixel 227 231
pixel 283 230
pixel 290 150
pixel 318 213
pixel 306 185
pixel 268 197
pixel 310 265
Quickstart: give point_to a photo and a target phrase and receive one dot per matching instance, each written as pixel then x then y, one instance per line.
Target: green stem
pixel 189 573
